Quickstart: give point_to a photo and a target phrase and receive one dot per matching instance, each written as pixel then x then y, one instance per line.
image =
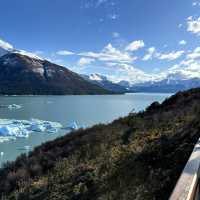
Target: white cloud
pixel 170 56
pixel 110 54
pixel 151 51
pixel 64 53
pixel 196 3
pixel 115 35
pixel 127 72
pixel 85 61
pixel 135 45
pixel 193 25
pixel 5 45
pixel 186 69
pixel 195 54
pixel 180 25
pixel 182 42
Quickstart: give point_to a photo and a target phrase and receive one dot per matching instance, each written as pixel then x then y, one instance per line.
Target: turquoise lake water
pixel 84 110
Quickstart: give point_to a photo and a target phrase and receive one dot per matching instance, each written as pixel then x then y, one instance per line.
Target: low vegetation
pixel 137 157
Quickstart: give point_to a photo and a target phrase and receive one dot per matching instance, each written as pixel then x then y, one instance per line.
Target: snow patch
pixel 39 71
pixel 29 54
pixel 50 72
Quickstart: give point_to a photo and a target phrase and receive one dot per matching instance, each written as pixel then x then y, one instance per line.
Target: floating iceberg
pixel 72 126
pixel 12 129
pixel 14 107
pixel 11 106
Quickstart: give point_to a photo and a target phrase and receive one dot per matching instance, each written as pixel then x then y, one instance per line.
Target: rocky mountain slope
pixel 21 73
pixel 138 157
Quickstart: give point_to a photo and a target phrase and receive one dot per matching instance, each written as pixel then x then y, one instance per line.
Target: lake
pixel 84 110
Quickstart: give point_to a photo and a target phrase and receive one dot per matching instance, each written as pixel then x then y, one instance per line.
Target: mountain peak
pixel 25 74
pixel 5 48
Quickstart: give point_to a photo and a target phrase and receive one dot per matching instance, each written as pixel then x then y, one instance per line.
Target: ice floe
pixel 14 106
pixel 12 129
pixel 11 106
pixel 72 126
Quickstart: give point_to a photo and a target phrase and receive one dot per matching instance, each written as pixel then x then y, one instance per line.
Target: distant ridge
pixel 170 84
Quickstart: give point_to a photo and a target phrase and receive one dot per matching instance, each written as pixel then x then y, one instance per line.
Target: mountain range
pixel 22 72
pixel 105 83
pixel 170 84
pixel 25 73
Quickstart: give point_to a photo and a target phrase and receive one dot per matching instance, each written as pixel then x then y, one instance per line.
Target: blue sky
pixel 124 39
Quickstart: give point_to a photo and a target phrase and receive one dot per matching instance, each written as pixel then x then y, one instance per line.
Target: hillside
pixel 23 75
pixel 137 157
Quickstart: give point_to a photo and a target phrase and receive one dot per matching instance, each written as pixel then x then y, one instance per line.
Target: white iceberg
pixel 11 106
pixel 72 126
pixel 12 129
pixel 14 107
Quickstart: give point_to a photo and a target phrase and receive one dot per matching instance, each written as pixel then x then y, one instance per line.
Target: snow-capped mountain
pixel 170 83
pixel 167 85
pixel 105 83
pixel 22 72
pixel 5 48
pixel 173 82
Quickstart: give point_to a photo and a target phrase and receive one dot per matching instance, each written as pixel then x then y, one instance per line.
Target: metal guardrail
pixel 187 187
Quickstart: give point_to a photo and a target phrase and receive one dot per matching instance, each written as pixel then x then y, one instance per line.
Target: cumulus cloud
pixel 193 25
pixel 85 61
pixel 150 53
pixel 135 45
pixel 182 42
pixel 194 54
pixel 186 69
pixel 127 72
pixel 5 45
pixel 64 53
pixel 170 56
pixel 110 53
pixel 189 67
